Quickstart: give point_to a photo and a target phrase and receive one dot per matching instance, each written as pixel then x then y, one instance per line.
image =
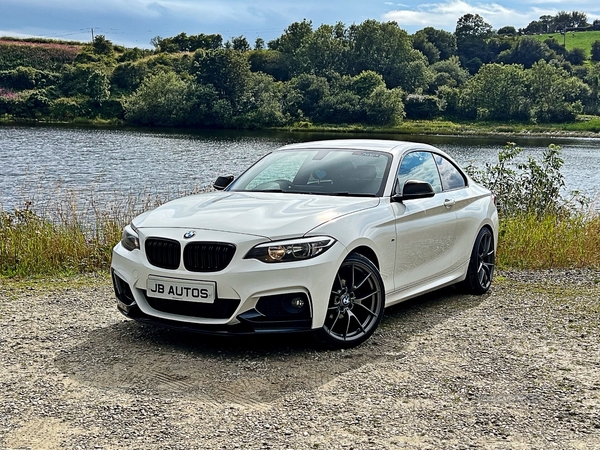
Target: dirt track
pixel 517 368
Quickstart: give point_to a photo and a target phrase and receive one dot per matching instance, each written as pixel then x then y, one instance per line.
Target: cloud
pixel 445 15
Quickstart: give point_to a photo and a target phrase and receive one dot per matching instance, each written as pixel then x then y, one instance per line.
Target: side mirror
pixel 414 190
pixel 222 182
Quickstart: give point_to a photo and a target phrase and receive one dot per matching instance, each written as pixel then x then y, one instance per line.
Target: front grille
pixel 207 256
pixel 163 253
pixel 221 308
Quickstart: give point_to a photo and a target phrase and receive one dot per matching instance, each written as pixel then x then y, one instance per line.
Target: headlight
pixel 292 250
pixel 130 239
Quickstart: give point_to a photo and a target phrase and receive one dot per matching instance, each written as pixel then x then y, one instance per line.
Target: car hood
pixel 270 215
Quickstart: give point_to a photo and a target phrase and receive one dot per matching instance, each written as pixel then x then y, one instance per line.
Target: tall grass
pixel 528 241
pixel 66 234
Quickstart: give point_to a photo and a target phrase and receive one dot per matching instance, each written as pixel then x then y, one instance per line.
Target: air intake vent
pixel 207 256
pixel 163 253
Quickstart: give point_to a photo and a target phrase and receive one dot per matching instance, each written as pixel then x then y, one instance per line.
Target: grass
pixel 66 236
pixel 529 242
pixel 72 237
pixel 584 125
pixel 583 39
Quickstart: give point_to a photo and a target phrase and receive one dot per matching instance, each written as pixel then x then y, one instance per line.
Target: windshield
pixel 327 172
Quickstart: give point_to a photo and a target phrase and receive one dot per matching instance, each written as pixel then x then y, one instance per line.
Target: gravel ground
pixel 517 368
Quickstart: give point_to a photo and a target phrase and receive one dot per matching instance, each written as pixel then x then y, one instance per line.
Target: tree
pixel 240 44
pixel 507 31
pixel 595 51
pixel 443 41
pixel 326 50
pixel 527 52
pixel 555 95
pixel 387 49
pixel 271 62
pixel 448 73
pixel 227 70
pixel 259 44
pixel 98 86
pixel 471 34
pixel 497 92
pixel 420 42
pixel 291 43
pixel 103 46
pixel 472 26
pixel 304 94
pixel 576 56
pixel 159 101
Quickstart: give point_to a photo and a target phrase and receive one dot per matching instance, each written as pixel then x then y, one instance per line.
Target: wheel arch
pixel 368 253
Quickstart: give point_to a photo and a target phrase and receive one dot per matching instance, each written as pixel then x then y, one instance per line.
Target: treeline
pixel 561 22
pixel 371 73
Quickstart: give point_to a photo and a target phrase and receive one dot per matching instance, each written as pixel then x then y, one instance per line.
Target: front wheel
pixel 356 304
pixel 481 264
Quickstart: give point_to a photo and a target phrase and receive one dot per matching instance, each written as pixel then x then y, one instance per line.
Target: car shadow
pixel 248 370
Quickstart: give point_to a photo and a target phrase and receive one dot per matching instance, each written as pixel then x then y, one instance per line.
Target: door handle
pixel 449 203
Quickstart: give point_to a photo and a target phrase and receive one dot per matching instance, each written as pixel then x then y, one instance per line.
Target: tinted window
pixel 451 176
pixel 419 166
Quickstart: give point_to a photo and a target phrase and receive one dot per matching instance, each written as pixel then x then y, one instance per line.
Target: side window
pixel 419 166
pixel 451 176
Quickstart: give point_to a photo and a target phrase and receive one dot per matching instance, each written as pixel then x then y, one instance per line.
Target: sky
pixel 133 23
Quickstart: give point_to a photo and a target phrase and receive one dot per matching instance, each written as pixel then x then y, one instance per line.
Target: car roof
pixel 396 148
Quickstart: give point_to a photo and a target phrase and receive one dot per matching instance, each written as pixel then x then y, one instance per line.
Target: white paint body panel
pixel 418 245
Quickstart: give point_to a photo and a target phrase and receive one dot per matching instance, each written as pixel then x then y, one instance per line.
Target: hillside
pixel 583 39
pixel 46 55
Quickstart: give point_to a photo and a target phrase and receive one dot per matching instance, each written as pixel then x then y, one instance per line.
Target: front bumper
pixel 251 296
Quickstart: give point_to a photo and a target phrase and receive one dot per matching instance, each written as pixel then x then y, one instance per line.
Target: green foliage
pixel 595 51
pixel 388 48
pixel 419 106
pixel 184 43
pixel 370 73
pixel 102 46
pixel 529 187
pixel 555 96
pixel 161 100
pixel 527 52
pixel 271 62
pixel 98 86
pixel 497 92
pixel 23 78
pixel 576 56
pixel 228 71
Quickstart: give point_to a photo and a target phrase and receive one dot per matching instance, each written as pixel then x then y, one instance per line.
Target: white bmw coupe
pixel 318 236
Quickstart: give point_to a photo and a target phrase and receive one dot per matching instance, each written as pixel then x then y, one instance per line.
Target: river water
pixel 36 162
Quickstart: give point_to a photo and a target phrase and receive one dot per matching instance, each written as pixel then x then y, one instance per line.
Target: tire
pixel 356 304
pixel 481 265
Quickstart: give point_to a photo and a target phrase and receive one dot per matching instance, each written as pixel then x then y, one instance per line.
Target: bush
pixel 530 187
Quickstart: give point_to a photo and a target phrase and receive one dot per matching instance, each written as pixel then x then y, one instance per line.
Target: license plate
pixel 187 291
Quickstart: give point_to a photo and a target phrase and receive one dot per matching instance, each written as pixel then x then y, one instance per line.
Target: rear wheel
pixel 481 265
pixel 356 304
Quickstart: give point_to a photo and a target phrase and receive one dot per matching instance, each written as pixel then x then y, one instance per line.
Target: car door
pixel 426 229
pixel 465 206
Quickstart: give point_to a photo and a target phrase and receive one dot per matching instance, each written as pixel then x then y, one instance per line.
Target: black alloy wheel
pixel 356 303
pixel 481 265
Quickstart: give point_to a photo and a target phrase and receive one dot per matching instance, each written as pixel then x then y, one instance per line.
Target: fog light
pixel 297 302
